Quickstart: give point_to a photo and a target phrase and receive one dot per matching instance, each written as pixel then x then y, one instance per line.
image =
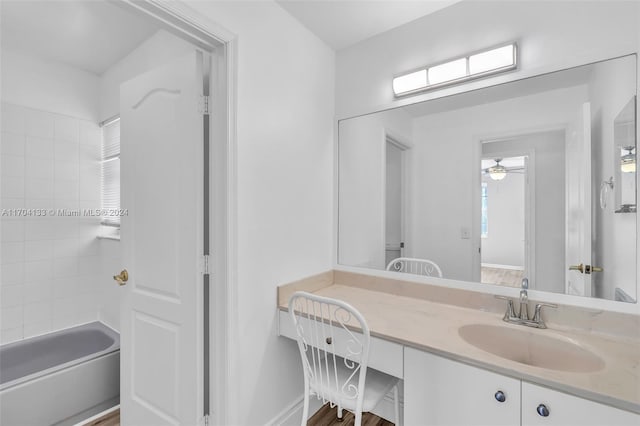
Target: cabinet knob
pixel 500 396
pixel 329 340
pixel 543 410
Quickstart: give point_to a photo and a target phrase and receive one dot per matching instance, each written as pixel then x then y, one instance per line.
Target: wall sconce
pixel 628 161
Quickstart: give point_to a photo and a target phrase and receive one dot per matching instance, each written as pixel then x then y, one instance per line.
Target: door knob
pixel 122 277
pixel 589 269
pixel 579 267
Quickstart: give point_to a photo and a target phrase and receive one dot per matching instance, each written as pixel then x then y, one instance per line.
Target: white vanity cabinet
pixel 562 409
pixel 438 391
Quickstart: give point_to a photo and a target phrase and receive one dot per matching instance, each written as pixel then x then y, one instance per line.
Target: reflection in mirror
pixel 500 184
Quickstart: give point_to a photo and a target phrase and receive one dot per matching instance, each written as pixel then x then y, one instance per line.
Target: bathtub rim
pixel 92 325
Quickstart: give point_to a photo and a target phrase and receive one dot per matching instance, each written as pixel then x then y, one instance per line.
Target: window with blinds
pixel 111 173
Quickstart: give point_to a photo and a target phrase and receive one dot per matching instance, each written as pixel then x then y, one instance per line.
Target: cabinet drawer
pixel 384 356
pixel 568 410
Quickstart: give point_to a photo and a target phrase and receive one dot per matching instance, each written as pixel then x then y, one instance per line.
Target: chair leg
pixel 358 420
pixel 340 416
pixel 396 404
pixel 305 408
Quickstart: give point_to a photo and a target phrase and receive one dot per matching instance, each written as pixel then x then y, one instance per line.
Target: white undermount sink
pixel 530 348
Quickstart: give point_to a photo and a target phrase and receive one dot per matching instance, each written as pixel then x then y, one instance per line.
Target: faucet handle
pixel 511 312
pixel 537 317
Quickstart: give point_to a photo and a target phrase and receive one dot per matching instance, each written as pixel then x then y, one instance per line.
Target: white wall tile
pixel 12 165
pixel 67 152
pixel 12 203
pixel 12 252
pixel 12 187
pixel 66 247
pixel 36 329
pixel 38 250
pixel 67 170
pixel 39 168
pixel 11 317
pixel 10 335
pixel 11 274
pixel 48 160
pixel 11 295
pixel 39 189
pixel 13 118
pixel 66 190
pixel 38 270
pixel 39 124
pixel 66 129
pixel 12 144
pixel 12 230
pixel 38 291
pixel 39 147
pixel 37 312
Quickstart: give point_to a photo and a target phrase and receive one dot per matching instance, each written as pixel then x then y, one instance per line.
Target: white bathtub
pixel 60 377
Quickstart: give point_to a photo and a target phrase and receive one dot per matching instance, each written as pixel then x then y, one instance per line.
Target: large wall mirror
pixel 533 179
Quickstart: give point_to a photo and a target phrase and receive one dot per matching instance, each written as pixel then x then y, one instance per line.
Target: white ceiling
pixel 90 35
pixel 342 23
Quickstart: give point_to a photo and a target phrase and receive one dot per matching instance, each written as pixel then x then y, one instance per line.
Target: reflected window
pixel 484 225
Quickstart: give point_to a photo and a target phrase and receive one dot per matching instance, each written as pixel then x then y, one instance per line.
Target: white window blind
pixel 111 173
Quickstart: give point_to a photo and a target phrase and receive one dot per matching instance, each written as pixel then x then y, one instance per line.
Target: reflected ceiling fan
pixel 499 172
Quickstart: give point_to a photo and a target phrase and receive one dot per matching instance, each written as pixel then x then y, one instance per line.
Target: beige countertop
pixel 433 326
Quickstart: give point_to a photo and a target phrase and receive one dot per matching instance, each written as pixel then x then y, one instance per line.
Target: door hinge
pixel 204 107
pixel 206 264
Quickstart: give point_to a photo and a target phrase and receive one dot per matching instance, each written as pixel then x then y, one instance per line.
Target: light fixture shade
pixel 497 172
pixel 628 163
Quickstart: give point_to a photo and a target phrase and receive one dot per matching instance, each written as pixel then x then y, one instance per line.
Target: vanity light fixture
pixel 628 161
pixel 477 65
pixel 497 172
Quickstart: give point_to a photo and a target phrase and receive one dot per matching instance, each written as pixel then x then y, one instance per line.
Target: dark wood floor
pixel 111 419
pixel 325 416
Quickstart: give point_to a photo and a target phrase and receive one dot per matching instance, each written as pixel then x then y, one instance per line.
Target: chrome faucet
pixel 522 318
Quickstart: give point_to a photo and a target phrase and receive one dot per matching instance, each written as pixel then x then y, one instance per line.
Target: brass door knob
pixel 122 277
pixel 596 269
pixel 579 267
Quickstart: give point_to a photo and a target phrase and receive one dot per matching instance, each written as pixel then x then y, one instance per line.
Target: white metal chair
pixel 415 266
pixel 335 357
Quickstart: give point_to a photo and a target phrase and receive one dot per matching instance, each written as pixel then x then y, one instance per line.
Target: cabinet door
pixel 568 410
pixel 438 391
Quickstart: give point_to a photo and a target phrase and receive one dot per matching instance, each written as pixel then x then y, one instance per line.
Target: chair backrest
pixel 334 357
pixel 415 266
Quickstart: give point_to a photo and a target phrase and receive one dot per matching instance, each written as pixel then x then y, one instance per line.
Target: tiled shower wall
pixel 50 265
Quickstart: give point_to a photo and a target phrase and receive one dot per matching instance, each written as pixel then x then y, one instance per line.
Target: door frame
pixel 403 145
pixel 183 21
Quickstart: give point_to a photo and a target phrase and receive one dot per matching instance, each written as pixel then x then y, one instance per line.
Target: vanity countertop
pixel 414 321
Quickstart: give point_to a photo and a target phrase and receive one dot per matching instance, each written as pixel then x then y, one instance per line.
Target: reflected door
pixel 578 210
pixel 162 175
pixel 393 203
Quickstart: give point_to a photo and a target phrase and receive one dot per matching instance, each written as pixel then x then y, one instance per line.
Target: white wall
pixel 51 263
pixel 49 86
pixel 157 50
pixel 444 163
pixel 551 36
pixel 361 198
pixel 504 244
pixel 284 143
pixel 611 87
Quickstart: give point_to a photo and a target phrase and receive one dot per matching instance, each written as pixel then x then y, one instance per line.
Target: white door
pixel 578 196
pixel 162 175
pixel 393 202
